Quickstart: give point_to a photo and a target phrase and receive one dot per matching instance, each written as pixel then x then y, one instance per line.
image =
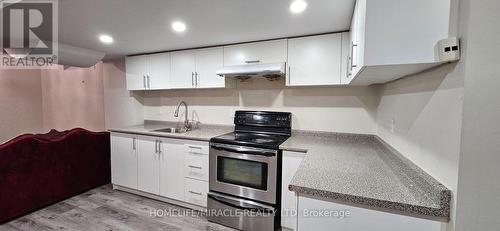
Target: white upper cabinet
pixel 197 68
pixel 395 38
pixel 345 66
pixel 315 60
pixel 208 62
pixel 259 52
pixel 136 69
pixel 148 72
pixel 159 71
pixel 183 69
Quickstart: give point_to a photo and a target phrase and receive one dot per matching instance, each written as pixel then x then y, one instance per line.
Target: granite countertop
pixel 201 132
pixel 363 171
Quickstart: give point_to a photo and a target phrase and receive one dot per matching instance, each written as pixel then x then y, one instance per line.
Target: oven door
pixel 244 171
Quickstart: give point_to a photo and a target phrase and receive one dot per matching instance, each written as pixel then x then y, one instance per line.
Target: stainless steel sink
pixel 171 130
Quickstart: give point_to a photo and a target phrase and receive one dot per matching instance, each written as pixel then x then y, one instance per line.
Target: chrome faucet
pixel 187 126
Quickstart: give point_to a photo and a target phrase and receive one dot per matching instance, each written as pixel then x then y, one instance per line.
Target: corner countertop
pixel 201 132
pixel 364 171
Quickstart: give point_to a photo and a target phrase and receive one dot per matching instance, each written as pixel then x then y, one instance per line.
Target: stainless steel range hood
pixel 270 71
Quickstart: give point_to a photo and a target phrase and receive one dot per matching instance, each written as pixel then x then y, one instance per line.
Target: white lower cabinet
pixel 323 215
pixel 124 160
pixel 171 168
pixel 196 173
pixel 195 192
pixel 148 171
pixel 291 162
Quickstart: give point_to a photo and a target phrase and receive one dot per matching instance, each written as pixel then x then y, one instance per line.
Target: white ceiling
pixel 142 26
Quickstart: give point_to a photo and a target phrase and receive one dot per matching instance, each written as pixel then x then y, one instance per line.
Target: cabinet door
pixel 259 52
pixel 291 162
pixel 315 60
pixel 345 77
pixel 148 165
pixel 159 71
pixel 172 169
pixel 208 62
pixel 124 160
pixel 183 66
pixel 136 68
pixel 357 39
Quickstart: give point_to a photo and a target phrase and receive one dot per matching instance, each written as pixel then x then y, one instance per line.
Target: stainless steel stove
pixel 245 171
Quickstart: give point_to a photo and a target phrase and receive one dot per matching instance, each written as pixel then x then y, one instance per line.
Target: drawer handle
pixel 197 167
pixel 252 61
pixel 195 147
pixel 196 193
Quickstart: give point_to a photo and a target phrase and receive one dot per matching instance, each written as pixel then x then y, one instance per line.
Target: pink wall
pixel 73 98
pixel 20 103
pixel 35 101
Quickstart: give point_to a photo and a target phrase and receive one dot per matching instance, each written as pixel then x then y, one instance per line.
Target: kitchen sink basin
pixel 171 130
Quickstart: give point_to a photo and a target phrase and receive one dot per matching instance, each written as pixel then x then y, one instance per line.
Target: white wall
pixel 478 206
pixel 340 109
pixel 122 108
pixel 421 117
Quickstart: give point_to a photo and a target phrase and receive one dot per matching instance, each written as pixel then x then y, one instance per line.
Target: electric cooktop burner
pixel 272 141
pixel 259 129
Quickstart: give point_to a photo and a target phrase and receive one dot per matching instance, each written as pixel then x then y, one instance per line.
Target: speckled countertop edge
pixel 401 164
pixel 201 132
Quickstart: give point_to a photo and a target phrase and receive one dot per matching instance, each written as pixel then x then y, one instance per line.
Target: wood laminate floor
pixel 107 209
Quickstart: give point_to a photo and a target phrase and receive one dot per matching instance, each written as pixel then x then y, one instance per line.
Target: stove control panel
pixel 263 119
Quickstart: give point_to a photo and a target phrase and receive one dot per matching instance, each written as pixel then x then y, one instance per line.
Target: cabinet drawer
pixel 196 166
pixel 195 192
pixel 197 148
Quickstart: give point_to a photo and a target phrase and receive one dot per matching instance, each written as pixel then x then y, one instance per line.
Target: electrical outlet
pixel 393 124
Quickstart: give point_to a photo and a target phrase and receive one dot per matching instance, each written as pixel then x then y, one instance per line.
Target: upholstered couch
pixel 39 170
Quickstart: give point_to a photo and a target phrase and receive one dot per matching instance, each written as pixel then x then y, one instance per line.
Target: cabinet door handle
pixel 134 147
pixel 352 55
pixel 149 82
pixel 159 146
pixel 289 73
pixel 196 193
pixel 348 71
pixel 156 146
pixel 192 79
pixel 196 79
pixel 252 61
pixel 144 81
pixel 195 147
pixel 197 167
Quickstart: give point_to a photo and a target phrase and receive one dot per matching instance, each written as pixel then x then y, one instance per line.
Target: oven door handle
pixel 240 203
pixel 244 150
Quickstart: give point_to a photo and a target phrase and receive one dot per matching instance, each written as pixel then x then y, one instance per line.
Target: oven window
pixel 242 172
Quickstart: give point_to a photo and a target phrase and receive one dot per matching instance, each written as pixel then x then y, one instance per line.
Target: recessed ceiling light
pixel 106 39
pixel 178 26
pixel 298 6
